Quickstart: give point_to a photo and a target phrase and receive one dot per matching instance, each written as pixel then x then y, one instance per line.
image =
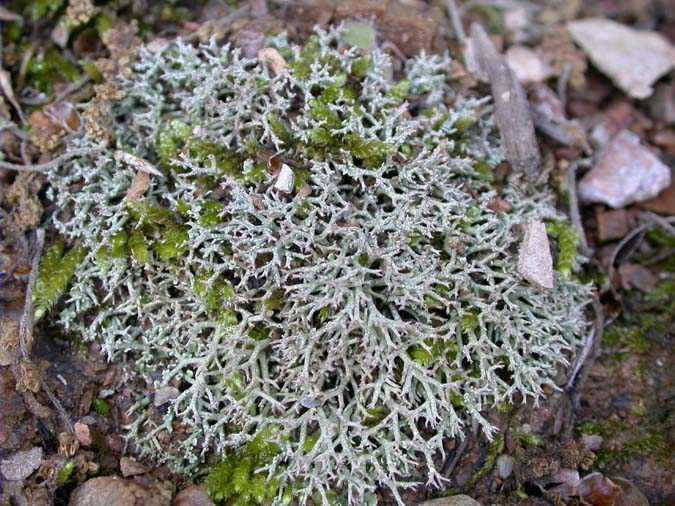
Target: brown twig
pixel 512 110
pixel 455 20
pixel 575 214
pixel 588 352
pixel 45 167
pixel 26 324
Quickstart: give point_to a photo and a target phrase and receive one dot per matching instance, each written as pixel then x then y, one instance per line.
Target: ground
pixel 613 427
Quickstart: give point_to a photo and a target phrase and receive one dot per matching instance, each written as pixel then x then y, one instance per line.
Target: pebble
pixel 626 172
pixel 164 395
pixel 504 466
pixel 454 500
pixel 285 179
pixel 193 495
pixel 22 464
pixel 528 66
pixel 592 441
pixel 82 433
pixel 633 59
pixel 116 491
pixel 129 467
pixel 535 263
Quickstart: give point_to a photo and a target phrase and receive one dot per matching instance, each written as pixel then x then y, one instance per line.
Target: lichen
pixel 378 297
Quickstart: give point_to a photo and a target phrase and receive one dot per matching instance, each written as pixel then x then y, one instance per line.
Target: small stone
pixel 115 491
pixel 528 66
pixel 664 202
pixel 82 433
pixel 633 59
pixel 22 464
pixel 592 442
pixel 597 490
pixel 285 179
pixel 273 58
pixel 504 466
pixel 637 276
pixel 630 494
pixel 454 500
pixel 164 395
pixel 535 263
pixel 193 495
pixel 626 172
pixel 359 34
pixel 613 224
pixel 129 467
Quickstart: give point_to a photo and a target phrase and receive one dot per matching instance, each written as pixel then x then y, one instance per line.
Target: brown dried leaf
pixel 139 185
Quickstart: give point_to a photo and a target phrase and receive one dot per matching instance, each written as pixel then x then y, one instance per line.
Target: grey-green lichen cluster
pixel 319 265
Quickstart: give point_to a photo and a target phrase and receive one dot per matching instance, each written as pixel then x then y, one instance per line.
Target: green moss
pixel 494 451
pixel 56 273
pixel 173 243
pixel 399 92
pixel 171 140
pixel 234 481
pixel 101 407
pixel 210 213
pixel 372 152
pixel 301 67
pixel 138 247
pixel 65 474
pixel 568 246
pixel 41 9
pixel 51 67
pixel 361 66
pixel 214 294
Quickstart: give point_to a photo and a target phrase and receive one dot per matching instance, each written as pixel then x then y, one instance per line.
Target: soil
pixel 616 420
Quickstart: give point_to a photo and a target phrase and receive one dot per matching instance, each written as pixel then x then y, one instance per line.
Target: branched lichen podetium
pixel 371 307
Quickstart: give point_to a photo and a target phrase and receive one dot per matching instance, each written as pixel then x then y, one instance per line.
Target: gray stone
pixel 528 65
pixel 504 466
pixel 22 464
pixel 455 500
pixel 164 395
pixel 626 172
pixel 633 59
pixel 535 262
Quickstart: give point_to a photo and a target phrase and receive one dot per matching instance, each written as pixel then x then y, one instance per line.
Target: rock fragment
pixel 633 59
pixel 164 395
pixel 535 263
pixel 664 202
pixel 193 495
pixel 453 500
pixel 129 467
pixel 285 179
pixel 115 491
pixel 22 464
pixel 626 172
pixel 528 66
pixel 82 433
pixel 613 224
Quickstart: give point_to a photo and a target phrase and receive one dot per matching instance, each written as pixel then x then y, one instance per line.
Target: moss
pixel 399 92
pixel 494 451
pixel 41 9
pixel 101 407
pixel 372 152
pixel 235 480
pixel 65 474
pixel 568 246
pixel 51 67
pixel 361 66
pixel 214 294
pixel 210 213
pixel 173 243
pixel 56 273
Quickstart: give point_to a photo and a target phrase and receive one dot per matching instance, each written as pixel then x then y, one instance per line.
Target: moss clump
pixel 57 269
pixel 237 479
pixel 568 242
pixel 319 255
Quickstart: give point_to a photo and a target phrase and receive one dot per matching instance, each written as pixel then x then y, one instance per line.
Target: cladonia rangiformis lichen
pixel 321 262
